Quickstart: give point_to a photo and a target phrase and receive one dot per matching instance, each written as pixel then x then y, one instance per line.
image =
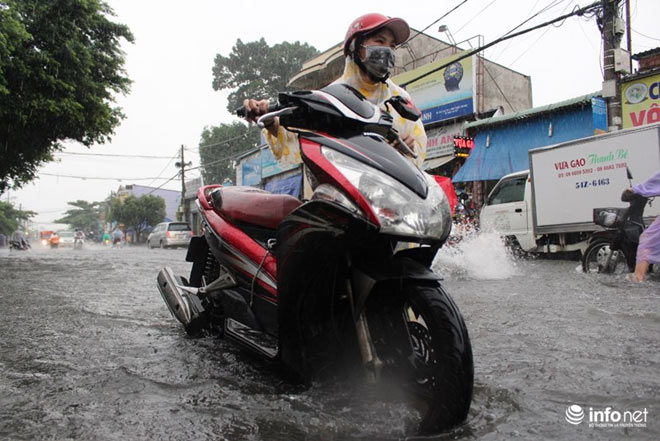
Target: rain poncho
pixel 285 145
pixel 649 242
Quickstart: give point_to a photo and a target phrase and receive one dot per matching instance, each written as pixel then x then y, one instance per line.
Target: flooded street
pixel 90 351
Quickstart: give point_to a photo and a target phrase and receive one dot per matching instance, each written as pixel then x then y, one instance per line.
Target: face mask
pixel 379 62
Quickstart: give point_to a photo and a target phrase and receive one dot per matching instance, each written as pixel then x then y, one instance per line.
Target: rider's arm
pixel 650 187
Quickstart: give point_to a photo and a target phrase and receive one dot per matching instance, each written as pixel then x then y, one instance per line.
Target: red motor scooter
pixel 321 284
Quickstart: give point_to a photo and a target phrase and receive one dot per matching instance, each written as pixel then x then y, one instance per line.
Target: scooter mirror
pixel 630 176
pixel 404 107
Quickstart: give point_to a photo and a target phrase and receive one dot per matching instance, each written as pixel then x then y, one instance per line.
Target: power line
pixel 475 16
pixel 161 185
pixel 580 11
pixel 644 35
pixel 446 14
pixel 94 178
pixel 113 155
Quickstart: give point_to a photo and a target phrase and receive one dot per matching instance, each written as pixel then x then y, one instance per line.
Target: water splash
pixel 473 254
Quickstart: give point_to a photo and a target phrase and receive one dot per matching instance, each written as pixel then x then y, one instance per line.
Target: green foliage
pixel 137 212
pixel 60 68
pixel 85 216
pixel 220 146
pixel 256 70
pixel 10 218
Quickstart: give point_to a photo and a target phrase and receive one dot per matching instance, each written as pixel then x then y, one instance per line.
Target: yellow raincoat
pixel 285 145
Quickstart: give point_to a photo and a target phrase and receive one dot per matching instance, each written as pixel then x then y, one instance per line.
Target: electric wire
pixel 580 11
pixel 113 155
pixel 644 35
pixel 95 178
pixel 476 15
pixel 529 17
pixel 176 175
pixel 443 16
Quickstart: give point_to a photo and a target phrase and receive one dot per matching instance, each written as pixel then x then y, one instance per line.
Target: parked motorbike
pixel 321 285
pixel 614 250
pixel 19 245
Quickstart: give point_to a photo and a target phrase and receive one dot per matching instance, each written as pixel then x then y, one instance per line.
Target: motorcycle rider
pixel 19 237
pixel 648 250
pixel 368 48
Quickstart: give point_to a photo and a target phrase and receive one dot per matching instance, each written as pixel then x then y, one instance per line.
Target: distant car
pixel 66 238
pixel 170 234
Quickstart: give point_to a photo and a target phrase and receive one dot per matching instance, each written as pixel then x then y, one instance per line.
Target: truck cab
pixel 509 212
pixel 506 210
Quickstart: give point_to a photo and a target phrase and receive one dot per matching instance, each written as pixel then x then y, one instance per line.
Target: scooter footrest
pixel 264 343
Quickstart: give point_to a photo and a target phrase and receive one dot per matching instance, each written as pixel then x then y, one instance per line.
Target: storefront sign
pixel 641 101
pixel 463 146
pixel 445 94
pixel 440 141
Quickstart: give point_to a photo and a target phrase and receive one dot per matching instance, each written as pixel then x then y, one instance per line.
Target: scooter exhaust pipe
pixel 182 301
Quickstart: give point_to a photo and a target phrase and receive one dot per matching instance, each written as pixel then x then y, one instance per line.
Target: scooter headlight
pixel 400 211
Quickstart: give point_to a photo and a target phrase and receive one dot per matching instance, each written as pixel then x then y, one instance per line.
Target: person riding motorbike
pixel 648 250
pixel 368 48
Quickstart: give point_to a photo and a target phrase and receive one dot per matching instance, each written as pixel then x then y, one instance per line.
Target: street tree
pixel 252 70
pixel 85 215
pixel 257 70
pixel 61 67
pixel 221 145
pixel 138 213
pixel 11 218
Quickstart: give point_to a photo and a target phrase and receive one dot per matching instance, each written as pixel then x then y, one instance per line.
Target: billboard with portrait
pixel 445 94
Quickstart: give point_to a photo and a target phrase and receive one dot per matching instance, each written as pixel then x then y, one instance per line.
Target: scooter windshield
pixel 352 99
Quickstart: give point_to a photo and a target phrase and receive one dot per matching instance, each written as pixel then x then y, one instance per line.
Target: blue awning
pixel 503 148
pixel 290 185
pixel 493 162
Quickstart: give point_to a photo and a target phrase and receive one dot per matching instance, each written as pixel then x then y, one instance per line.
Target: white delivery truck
pixel 549 208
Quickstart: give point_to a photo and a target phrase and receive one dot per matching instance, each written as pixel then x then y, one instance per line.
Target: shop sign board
pixel 641 101
pixel 440 141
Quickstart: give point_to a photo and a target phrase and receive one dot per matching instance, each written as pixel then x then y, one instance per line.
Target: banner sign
pixel 445 94
pixel 440 141
pixel 251 169
pixel 270 166
pixel 641 101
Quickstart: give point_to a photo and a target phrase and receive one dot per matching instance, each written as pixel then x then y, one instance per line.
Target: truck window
pixel 512 190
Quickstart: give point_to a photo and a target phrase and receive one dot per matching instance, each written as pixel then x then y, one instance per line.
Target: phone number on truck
pixel 594 183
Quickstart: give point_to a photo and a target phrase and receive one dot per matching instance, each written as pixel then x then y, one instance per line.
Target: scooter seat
pixel 253 206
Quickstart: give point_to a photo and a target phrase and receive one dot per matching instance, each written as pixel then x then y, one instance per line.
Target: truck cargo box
pixel 570 179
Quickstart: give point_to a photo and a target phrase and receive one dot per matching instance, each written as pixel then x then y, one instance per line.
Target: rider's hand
pixel 410 142
pixel 254 109
pixel 627 195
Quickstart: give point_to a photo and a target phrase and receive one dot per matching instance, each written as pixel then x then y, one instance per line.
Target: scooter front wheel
pixel 429 353
pixel 600 258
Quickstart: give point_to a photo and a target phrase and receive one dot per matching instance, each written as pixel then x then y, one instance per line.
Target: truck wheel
pixel 600 258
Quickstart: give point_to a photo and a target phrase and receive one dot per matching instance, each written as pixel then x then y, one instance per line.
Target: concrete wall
pixel 505 87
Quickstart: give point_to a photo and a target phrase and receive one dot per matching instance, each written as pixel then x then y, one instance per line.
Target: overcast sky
pixel 172 100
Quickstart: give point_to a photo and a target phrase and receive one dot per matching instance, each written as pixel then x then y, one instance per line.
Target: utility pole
pixel 612 30
pixel 182 165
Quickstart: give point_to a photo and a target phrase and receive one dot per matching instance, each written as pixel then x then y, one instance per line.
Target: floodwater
pixel 88 350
